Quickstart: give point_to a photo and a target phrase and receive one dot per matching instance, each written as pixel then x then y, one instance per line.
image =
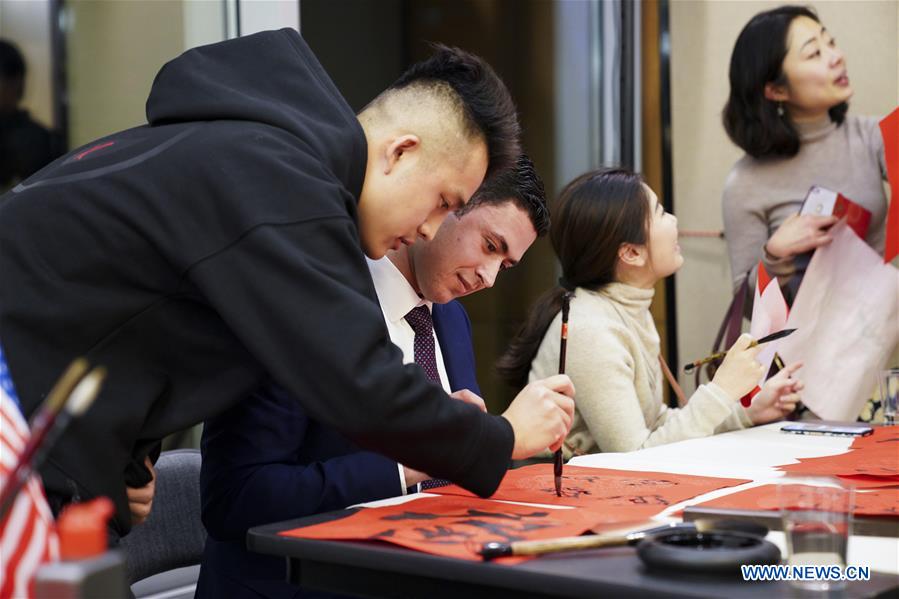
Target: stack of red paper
pixel 451 526
pixel 878 502
pixel 872 462
pixel 871 466
pixel 457 523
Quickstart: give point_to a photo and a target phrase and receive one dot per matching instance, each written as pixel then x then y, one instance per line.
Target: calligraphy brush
pixel 70 398
pixel 493 550
pixel 772 337
pixel 557 456
pixel 46 415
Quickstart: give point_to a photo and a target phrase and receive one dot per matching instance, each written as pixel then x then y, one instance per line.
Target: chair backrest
pixel 173 535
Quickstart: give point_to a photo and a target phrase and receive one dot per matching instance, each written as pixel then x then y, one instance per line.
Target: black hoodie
pixel 196 254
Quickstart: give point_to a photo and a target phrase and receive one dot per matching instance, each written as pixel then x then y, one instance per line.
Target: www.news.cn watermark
pixel 807 573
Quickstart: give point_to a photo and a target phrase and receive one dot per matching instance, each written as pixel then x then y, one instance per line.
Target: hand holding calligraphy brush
pixel 772 337
pixel 72 395
pixel 557 456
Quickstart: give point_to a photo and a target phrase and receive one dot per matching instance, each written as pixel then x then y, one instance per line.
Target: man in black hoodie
pixel 223 242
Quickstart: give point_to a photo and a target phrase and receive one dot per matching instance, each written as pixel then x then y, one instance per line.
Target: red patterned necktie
pixel 425 356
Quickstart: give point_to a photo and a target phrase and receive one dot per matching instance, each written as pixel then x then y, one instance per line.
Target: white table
pixel 751 454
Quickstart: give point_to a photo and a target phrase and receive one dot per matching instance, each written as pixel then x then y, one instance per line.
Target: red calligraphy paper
pixel 878 502
pixel 883 436
pixel 881 502
pixel 868 463
pixel 452 526
pixel 889 128
pixel 609 491
pixel 878 456
pixel 857 217
pixel 863 481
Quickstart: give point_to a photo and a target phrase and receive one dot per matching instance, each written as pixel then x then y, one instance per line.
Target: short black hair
pixel 12 64
pixel 520 185
pixel 487 106
pixel 750 119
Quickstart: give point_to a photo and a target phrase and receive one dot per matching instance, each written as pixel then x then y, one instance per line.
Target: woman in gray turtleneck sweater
pixel 787 110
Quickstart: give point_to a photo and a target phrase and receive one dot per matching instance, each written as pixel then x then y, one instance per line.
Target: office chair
pixel 163 554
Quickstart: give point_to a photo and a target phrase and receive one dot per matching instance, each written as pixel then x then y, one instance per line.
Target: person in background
pixel 787 109
pixel 267 460
pixel 25 145
pixel 615 241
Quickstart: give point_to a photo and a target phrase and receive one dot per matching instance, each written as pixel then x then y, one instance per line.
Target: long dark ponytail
pixel 594 215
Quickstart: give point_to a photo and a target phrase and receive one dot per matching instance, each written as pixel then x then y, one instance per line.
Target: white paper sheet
pixel 846 316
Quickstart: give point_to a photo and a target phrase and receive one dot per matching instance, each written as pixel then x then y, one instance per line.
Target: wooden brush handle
pixel 567 544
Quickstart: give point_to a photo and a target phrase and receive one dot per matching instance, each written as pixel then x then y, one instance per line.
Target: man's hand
pixel 413 477
pixel 140 501
pixel 541 415
pixel 469 397
pixel 777 398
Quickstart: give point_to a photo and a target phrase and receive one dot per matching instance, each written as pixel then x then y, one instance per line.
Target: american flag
pixel 27 533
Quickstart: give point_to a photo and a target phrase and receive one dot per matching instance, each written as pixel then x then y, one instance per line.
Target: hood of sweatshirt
pixel 271 78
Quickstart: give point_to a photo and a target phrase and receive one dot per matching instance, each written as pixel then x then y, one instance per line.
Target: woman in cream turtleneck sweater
pixel 789 88
pixel 614 242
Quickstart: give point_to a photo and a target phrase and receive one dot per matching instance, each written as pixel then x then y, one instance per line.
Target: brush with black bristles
pixel 557 456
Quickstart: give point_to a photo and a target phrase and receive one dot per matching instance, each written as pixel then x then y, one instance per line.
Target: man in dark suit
pixel 266 460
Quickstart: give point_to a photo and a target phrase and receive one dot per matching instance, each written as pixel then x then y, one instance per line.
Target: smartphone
pixel 827 428
pixel 824 202
pixel 819 201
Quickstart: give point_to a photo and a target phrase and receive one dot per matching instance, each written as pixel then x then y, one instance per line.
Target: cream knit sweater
pixel 612 359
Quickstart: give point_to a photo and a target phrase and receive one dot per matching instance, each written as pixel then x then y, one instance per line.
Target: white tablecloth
pixel 751 454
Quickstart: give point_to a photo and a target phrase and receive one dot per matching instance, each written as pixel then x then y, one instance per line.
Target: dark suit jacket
pixel 265 460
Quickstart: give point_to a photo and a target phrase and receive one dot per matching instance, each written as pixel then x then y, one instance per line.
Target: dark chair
pixel 163 554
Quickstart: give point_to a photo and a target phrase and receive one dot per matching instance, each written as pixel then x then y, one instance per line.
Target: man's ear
pixel 398 148
pixel 776 93
pixel 632 254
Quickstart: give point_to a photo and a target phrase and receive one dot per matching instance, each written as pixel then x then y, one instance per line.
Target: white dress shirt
pixel 398 298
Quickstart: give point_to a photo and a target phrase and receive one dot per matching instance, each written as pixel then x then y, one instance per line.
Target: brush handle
pixel 50 424
pixel 31 460
pixel 698 363
pixel 689 367
pixel 44 421
pixel 559 545
pixel 567 544
pixel 563 344
pixel 493 550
